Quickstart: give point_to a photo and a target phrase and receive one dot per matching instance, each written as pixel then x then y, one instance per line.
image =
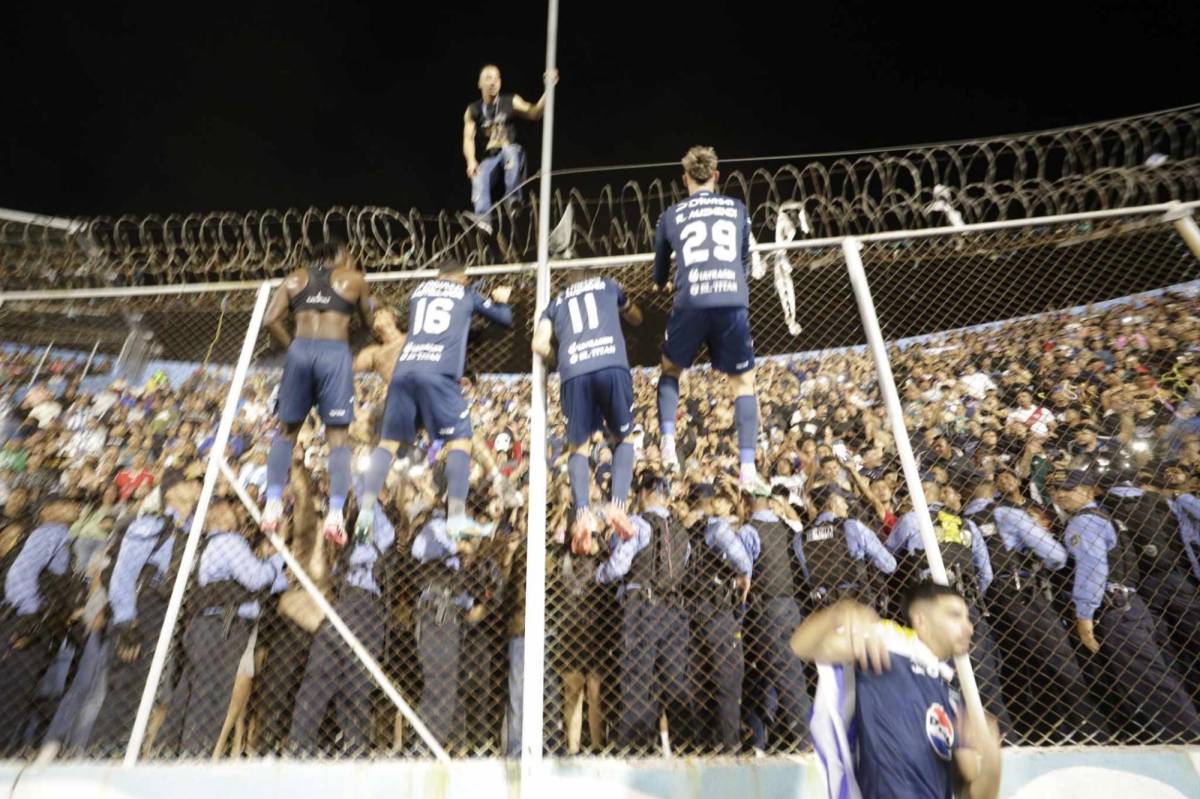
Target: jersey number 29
pixel 432 316
pixel 724 238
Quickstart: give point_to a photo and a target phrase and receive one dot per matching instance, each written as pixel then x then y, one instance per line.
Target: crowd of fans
pixel 1113 392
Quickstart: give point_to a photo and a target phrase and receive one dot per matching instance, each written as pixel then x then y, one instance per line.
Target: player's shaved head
pixel 451 267
pixel 700 164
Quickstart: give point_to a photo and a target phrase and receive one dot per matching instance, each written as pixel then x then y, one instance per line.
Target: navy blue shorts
pixel 726 331
pixel 317 372
pixel 424 400
pixel 597 399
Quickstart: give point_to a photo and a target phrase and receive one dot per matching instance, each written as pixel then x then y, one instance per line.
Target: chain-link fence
pixel 1039 367
pixel 110 406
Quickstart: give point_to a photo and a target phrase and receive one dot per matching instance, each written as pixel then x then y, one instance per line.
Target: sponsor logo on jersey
pixel 939 730
pixel 337 412
pixel 319 298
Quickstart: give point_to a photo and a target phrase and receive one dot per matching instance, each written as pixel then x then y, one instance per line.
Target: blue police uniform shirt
pixel 434 545
pixel 906 538
pixel 439 321
pixel 1089 538
pixel 861 542
pixel 363 556
pixel 44 549
pixel 1020 532
pixel 710 236
pixel 139 548
pixel 227 556
pixel 1187 510
pixel 900 725
pixel 587 323
pixel 620 558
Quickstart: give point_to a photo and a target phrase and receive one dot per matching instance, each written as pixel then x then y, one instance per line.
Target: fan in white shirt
pixel 1039 420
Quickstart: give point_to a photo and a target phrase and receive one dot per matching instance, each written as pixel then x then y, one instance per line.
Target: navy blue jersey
pixel 898 726
pixel 439 321
pixel 710 236
pixel 587 323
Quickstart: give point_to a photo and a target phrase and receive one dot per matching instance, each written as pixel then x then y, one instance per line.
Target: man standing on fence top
pixel 490 140
pixel 710 236
pixel 319 370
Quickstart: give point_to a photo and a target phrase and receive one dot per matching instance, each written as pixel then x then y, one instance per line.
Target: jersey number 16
pixel 432 316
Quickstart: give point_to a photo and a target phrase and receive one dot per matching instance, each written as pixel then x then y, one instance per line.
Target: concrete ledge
pixel 1084 772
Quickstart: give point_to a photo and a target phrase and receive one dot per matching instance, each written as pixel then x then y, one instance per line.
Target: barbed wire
pixel 1133 161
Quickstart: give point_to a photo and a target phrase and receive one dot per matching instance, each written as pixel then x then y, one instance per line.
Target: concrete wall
pixel 1085 773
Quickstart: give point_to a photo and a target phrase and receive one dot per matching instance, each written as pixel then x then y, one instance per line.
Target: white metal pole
pixel 1185 226
pixel 532 695
pixel 912 476
pixel 364 656
pixel 87 366
pixel 42 362
pixel 215 456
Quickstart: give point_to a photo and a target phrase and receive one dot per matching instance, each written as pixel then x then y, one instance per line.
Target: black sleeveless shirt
pixel 318 294
pixel 494 122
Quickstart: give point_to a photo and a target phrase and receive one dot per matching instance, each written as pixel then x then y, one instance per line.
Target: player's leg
pixel 399 425
pixel 334 372
pixel 295 400
pixel 579 408
pixel 614 392
pixel 685 332
pixel 444 414
pixel 733 354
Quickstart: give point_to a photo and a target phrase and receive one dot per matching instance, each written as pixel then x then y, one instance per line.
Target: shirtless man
pixel 321 297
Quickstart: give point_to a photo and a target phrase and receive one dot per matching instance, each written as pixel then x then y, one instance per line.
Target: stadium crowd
pixel 97 488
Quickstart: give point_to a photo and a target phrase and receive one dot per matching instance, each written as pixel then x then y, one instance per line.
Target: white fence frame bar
pixel 356 646
pixel 215 456
pixel 534 662
pixel 908 462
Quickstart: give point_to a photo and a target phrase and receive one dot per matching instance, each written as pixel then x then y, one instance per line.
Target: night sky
pixel 173 107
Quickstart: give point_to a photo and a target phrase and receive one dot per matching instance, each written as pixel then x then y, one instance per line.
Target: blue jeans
pixel 511 159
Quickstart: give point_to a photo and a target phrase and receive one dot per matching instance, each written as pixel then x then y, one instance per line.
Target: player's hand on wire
pixel 551 76
pixel 501 294
pixel 860 625
pixel 1085 629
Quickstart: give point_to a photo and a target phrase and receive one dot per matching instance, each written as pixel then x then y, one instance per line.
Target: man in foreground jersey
pixel 886 721
pixel 596 388
pixel 710 236
pixel 322 297
pixel 424 389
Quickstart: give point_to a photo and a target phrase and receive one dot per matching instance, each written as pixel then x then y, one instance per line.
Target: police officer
pixel 836 554
pixel 774 614
pixel 1029 634
pixel 139 590
pixel 969 570
pixel 334 674
pixel 717 581
pixel 223 608
pixel 650 568
pixel 1112 619
pixel 1142 512
pixel 32 623
pixel 443 604
pixel 1186 507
